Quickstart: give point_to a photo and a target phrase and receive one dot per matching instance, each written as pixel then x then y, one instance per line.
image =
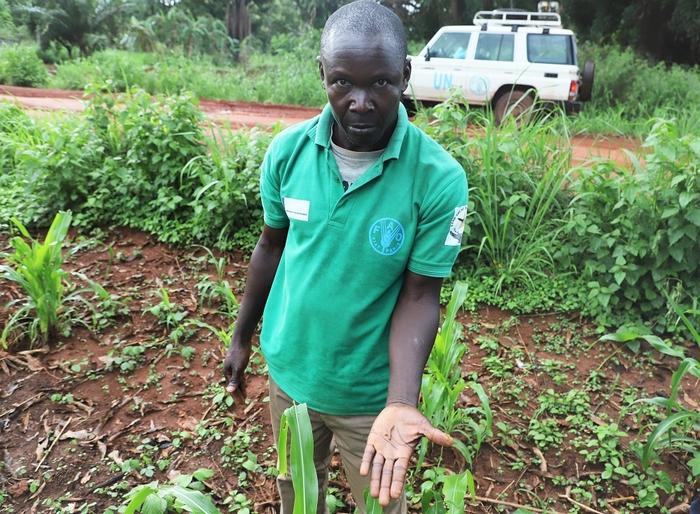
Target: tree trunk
pixel 237 20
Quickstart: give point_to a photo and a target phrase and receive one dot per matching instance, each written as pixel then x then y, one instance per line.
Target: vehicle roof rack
pixel 520 18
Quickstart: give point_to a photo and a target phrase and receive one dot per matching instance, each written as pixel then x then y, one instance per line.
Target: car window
pixel 550 49
pixel 451 45
pixel 495 47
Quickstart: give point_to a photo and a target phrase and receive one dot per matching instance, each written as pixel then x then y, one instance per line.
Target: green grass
pixel 287 77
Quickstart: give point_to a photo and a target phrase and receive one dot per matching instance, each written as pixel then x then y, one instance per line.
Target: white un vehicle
pixel 507 59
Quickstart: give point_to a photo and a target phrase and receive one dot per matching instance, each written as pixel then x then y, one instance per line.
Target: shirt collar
pixel 322 137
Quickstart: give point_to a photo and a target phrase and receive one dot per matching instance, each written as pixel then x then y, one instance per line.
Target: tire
pixel 584 93
pixel 516 103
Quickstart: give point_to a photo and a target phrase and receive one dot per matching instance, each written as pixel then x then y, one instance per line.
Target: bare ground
pixel 81 422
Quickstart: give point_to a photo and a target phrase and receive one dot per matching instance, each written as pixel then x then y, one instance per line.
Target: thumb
pixel 232 385
pixel 437 436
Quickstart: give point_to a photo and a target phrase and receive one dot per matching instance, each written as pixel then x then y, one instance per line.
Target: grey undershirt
pixel 352 164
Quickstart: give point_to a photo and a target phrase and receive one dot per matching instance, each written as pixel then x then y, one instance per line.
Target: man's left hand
pixel 394 435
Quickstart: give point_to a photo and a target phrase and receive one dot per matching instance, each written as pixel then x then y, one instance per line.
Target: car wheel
pixel 516 103
pixel 584 93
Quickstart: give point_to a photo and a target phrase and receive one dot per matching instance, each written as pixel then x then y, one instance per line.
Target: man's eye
pixel 382 82
pixel 342 82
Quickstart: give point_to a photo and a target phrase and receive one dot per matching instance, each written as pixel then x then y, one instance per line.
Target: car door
pixel 551 64
pixel 491 66
pixel 440 67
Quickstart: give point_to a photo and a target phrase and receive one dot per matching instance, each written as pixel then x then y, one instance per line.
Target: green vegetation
pixel 630 90
pixel 37 268
pixel 20 66
pixel 287 76
pixel 295 428
pixel 184 494
pixel 625 234
pixel 542 413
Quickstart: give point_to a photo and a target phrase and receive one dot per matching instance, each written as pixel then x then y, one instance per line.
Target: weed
pixel 169 315
pixel 184 493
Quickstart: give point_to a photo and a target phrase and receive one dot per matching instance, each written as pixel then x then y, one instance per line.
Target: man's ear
pixel 320 69
pixel 406 73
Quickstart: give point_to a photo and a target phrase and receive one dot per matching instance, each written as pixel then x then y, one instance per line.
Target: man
pixel 363 218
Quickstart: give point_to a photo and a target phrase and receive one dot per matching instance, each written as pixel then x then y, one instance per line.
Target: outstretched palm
pixel 394 435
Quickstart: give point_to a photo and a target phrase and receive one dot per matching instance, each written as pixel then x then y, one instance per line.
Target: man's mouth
pixel 361 127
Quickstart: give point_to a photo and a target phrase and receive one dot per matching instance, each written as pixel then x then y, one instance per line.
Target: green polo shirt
pixel 325 331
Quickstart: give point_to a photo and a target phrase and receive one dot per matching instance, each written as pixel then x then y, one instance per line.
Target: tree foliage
pixel 666 30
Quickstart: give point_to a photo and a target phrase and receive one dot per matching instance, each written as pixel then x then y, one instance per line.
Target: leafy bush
pixel 633 233
pixel 20 66
pixel 132 160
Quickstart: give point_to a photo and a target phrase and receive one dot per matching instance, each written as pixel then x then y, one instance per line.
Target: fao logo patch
pixel 386 236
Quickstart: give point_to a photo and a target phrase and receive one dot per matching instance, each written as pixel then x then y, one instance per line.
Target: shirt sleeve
pixel 439 233
pixel 274 214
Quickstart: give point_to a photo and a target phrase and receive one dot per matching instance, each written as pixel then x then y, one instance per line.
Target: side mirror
pixel 427 54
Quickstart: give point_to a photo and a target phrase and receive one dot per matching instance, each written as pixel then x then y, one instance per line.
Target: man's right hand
pixel 234 369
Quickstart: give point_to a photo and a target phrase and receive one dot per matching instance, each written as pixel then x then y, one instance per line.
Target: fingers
pixel 236 387
pixel 400 469
pixel 385 486
pixel 367 459
pixel 376 478
pixel 437 436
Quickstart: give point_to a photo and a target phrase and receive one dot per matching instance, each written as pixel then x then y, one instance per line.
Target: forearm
pixel 414 325
pixel 261 272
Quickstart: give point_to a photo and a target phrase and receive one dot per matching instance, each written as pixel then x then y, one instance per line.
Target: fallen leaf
pixel 114 455
pixel 81 435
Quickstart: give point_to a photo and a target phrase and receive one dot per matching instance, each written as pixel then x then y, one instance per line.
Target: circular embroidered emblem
pixel 386 236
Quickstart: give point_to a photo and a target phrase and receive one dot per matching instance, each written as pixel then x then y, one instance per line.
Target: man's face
pixel 364 79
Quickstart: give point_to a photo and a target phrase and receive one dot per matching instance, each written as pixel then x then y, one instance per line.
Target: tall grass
pixel 286 77
pixel 517 173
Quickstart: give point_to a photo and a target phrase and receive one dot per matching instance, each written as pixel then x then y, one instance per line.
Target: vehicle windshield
pixel 451 45
pixel 550 49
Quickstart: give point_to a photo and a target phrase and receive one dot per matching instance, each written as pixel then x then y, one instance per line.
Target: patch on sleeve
pixel 454 237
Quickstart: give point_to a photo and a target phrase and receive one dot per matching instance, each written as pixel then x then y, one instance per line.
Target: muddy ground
pixel 104 409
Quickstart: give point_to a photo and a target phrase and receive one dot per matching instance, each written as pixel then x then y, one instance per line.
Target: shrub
pixel 633 233
pixel 20 66
pixel 133 160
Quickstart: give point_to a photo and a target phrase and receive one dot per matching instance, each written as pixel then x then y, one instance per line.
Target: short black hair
pixel 366 18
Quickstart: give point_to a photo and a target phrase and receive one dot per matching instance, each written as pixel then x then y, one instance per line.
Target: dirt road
pixel 248 114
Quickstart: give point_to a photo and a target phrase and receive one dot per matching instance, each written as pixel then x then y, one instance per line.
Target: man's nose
pixel 361 101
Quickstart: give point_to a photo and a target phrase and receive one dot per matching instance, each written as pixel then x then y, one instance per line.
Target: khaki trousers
pixel 350 434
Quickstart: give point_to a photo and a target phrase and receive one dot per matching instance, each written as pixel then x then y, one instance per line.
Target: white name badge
pixel 297 209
